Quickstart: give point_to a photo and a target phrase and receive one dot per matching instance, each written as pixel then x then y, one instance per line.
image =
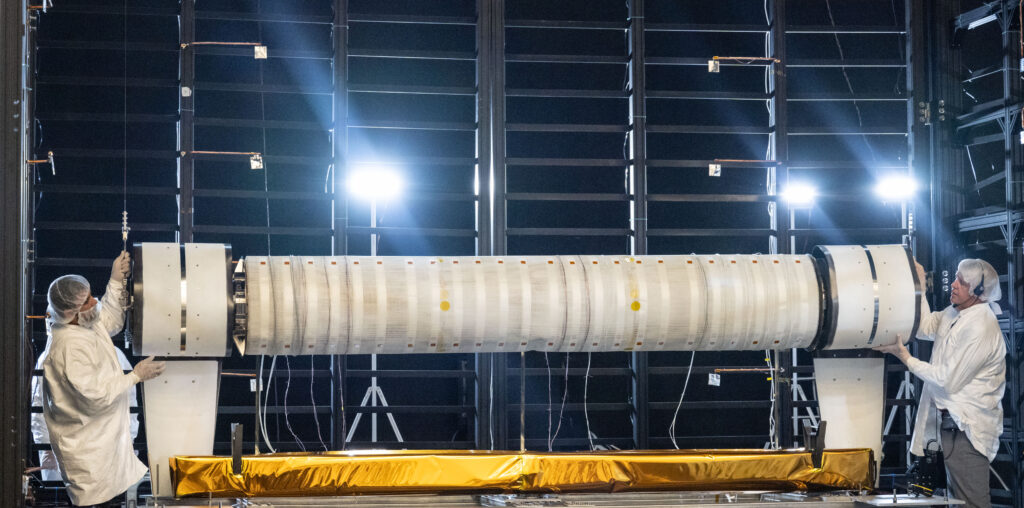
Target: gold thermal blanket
pixel 447 471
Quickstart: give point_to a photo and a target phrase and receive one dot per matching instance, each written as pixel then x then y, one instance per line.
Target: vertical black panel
pixel 186 126
pixel 13 371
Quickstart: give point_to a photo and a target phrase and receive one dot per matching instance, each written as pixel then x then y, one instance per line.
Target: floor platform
pixel 605 500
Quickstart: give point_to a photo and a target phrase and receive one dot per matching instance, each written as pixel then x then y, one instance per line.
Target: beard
pixel 90 317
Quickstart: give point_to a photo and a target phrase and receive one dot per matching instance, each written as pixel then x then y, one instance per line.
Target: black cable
pixel 263 127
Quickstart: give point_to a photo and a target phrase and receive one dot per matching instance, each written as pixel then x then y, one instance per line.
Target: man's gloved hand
pixel 122 265
pixel 148 369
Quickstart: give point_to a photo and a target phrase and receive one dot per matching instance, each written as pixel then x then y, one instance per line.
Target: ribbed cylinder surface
pixel 351 305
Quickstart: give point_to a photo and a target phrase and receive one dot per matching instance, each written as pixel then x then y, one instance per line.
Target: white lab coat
pixel 966 376
pixel 41 435
pixel 86 398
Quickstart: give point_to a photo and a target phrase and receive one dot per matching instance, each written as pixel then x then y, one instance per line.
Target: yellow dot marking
pixel 445 305
pixel 635 306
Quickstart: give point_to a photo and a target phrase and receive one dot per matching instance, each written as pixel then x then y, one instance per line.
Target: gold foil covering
pixel 450 471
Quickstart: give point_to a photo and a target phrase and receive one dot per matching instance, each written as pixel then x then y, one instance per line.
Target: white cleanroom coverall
pixel 86 398
pixel 966 376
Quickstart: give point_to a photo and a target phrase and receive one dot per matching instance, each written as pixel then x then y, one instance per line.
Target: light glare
pixel 896 188
pixel 375 183
pixel 799 194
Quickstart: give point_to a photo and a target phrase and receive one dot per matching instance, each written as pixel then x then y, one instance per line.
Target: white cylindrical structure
pixel 351 305
pixel 183 300
pixel 844 297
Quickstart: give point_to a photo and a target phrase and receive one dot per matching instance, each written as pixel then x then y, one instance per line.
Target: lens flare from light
pixel 375 183
pixel 800 194
pixel 896 188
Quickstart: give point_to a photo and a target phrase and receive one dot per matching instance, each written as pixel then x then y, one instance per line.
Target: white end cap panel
pixel 851 398
pixel 206 287
pixel 161 300
pixel 181 411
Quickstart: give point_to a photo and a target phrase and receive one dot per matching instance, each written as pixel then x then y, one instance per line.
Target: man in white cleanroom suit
pixel 40 435
pixel 86 394
pixel 961 402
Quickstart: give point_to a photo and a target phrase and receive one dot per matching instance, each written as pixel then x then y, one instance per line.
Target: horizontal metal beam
pixel 711 198
pixel 105 189
pixel 260 124
pixel 566 196
pixel 265 17
pixel 564 127
pixel 580 59
pixel 848 29
pixel 572 93
pixel 989 220
pixel 542 161
pixel 859 232
pixel 411 89
pixel 724 232
pixel 411 54
pixel 260 230
pixel 411 125
pixel 101 81
pixel 101 226
pixel 356 17
pixel 260 88
pixel 568 232
pixel 847 97
pixel 566 24
pixel 418 231
pixel 706 27
pixel 420 161
pixel 707 129
pixel 705 95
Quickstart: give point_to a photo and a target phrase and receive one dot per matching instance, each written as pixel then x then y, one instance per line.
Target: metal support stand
pixel 374 392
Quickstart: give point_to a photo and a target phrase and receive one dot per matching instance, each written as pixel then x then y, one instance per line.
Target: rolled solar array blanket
pixel 841 297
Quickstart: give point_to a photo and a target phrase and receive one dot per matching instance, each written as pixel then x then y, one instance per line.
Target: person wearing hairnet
pixel 961 402
pixel 85 392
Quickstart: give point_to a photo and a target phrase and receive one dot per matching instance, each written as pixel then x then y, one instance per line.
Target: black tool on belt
pixel 928 473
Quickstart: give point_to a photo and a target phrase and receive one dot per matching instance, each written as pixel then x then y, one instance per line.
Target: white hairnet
pixel 977 272
pixel 65 296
